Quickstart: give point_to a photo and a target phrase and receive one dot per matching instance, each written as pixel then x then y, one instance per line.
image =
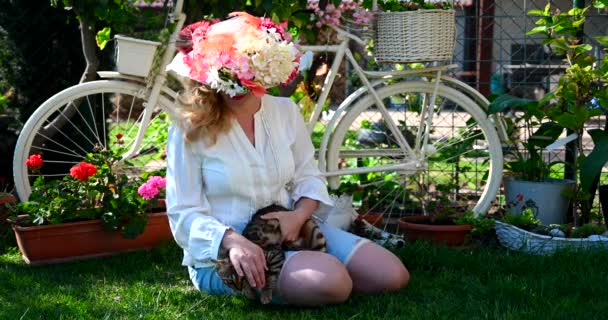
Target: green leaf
pixel 548 132
pixel 593 163
pixel 584 61
pixel 600 4
pixel 583 48
pixel 536 12
pixel 506 101
pixel 567 121
pixel 602 40
pixel 535 30
pixel 103 37
pixel 560 44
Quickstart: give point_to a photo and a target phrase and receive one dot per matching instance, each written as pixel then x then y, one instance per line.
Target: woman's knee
pixel 373 268
pixel 315 277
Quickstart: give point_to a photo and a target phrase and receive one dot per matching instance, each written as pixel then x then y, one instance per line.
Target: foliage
pixel 413 5
pixel 526 220
pixel 338 12
pixel 587 230
pixel 121 15
pixel 528 165
pixel 481 224
pixel 38 57
pixel 581 94
pixel 95 189
pixel 293 11
pixel 582 91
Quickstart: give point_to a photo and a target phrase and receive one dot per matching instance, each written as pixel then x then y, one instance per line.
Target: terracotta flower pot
pixel 86 239
pixel 374 218
pixel 419 228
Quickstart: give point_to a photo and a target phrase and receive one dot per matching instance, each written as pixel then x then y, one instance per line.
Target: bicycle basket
pixel 135 56
pixel 414 36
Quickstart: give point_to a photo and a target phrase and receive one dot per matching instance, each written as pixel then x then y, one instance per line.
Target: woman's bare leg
pixel 375 269
pixel 312 278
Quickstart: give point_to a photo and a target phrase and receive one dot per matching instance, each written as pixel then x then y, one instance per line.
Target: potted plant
pixel 581 94
pixel 528 182
pixel 442 220
pixel 523 232
pixel 96 211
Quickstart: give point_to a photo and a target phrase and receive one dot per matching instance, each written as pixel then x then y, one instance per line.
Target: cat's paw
pixel 266 297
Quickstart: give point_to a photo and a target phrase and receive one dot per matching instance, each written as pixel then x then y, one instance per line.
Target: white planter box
pixel 134 56
pixel 518 239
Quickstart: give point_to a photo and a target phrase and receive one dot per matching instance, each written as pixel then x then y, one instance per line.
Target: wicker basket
pixel 415 36
pixel 518 239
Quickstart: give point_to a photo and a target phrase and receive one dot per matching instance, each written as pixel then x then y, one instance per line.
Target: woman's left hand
pixel 291 223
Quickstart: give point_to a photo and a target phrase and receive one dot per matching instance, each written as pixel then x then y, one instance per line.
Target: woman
pixel 233 150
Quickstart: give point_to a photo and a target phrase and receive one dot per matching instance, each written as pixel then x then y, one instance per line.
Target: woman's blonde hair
pixel 202 113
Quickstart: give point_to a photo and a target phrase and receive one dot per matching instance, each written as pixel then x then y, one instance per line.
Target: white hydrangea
pixel 273 65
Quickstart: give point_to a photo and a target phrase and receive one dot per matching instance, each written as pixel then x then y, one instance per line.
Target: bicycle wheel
pixel 105 113
pixel 463 162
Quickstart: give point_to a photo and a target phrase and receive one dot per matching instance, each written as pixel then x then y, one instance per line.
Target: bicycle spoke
pixel 448 166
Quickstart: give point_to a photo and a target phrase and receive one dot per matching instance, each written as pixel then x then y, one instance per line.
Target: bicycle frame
pixel 413 156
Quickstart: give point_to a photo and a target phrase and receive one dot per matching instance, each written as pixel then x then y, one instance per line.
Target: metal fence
pixel 497 57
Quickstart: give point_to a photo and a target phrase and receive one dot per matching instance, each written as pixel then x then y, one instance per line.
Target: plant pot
pixel 419 228
pixel 159 205
pixel 518 239
pixel 374 218
pixel 86 239
pixel 603 190
pixel 551 205
pixel 5 199
pixel 134 56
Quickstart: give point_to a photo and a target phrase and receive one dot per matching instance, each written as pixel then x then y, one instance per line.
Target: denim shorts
pixel 340 244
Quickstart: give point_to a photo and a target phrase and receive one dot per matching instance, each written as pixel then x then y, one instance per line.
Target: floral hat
pixel 235 56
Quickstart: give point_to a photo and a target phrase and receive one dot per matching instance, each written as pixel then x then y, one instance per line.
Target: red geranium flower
pixel 83 171
pixel 34 162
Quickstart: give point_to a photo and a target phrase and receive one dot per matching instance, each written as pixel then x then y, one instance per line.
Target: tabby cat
pixel 267 234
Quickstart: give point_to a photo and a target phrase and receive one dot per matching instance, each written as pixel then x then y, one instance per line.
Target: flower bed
pixel 518 239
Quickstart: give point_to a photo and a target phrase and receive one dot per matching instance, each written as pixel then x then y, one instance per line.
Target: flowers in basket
pixel 410 5
pixel 334 15
pixel 95 189
pixel 359 11
pixel 239 55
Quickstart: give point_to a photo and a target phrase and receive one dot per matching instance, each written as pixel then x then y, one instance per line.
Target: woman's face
pixel 240 101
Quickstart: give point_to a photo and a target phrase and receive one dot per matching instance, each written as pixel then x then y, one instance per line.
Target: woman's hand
pixel 291 223
pixel 246 257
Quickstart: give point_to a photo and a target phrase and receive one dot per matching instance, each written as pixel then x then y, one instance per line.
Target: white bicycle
pixel 439 139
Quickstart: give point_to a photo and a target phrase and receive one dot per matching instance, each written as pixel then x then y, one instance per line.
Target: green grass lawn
pixel 476 283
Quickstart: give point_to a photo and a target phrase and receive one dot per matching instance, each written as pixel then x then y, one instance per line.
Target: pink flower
pixel 150 189
pixel 147 191
pixel 157 182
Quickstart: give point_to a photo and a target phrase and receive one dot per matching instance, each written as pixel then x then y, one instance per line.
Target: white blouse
pixel 213 188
